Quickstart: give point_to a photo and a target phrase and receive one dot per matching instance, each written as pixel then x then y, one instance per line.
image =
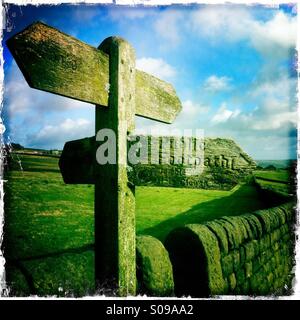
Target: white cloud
pixel 57 135
pixel 219 22
pixel 2 127
pixel 274 110
pixel 223 114
pixel 273 37
pixel 189 118
pixel 190 109
pixel 215 83
pixel 28 113
pixel 85 13
pixel 191 115
pixel 130 13
pixel 275 121
pixel 156 67
pixel 23 99
pixel 167 27
pixel 280 91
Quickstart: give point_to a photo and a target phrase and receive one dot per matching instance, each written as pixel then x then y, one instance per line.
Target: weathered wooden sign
pixel 57 63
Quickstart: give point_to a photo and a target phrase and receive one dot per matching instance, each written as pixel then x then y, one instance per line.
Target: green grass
pixel 45 215
pixel 159 210
pixel 275 186
pixel 49 225
pixel 278 175
pixel 278 181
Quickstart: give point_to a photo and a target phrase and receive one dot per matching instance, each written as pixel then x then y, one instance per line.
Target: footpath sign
pixel 58 63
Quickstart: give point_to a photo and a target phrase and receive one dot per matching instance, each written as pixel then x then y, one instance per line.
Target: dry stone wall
pixel 251 254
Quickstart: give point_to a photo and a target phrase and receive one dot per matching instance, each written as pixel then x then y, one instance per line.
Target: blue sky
pixel 233 68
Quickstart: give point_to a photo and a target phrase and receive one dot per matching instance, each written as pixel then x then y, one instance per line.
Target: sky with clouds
pixel 233 68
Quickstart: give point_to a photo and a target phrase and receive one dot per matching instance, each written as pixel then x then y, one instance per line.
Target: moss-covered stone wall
pixel 251 254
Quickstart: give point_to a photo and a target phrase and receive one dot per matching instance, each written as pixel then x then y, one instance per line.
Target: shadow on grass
pixel 245 199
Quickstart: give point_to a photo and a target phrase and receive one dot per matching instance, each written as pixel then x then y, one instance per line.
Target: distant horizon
pixel 32 148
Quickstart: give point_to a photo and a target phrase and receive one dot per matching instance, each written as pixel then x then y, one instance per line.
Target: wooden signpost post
pixel 55 62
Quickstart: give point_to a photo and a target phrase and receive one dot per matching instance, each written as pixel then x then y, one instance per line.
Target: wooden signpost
pixel 55 62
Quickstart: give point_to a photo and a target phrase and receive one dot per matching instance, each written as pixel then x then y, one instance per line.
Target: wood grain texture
pixel 115 254
pixel 56 62
pixel 156 99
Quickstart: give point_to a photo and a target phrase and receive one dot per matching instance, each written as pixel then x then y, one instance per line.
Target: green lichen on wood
pixel 154 269
pixel 115 252
pixel 53 61
pixel 56 62
pixel 156 99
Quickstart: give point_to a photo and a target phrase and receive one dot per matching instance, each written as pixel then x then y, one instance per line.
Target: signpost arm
pixel 115 263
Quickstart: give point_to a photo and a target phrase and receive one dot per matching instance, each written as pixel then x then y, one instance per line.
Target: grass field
pixel 159 210
pixel 278 175
pixel 49 226
pixel 279 180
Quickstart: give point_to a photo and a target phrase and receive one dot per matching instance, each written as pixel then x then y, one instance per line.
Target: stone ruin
pixel 223 163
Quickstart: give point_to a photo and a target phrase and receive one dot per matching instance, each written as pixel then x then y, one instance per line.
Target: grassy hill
pixel 279 164
pixel 49 225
